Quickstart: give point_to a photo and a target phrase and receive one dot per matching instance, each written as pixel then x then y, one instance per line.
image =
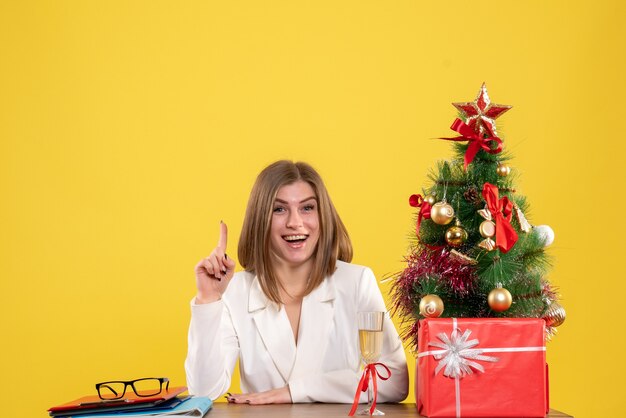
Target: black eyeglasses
pixel 148 386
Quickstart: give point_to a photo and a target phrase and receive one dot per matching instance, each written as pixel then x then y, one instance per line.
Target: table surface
pixel 316 410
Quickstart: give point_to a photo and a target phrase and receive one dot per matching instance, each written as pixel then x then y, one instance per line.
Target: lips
pixel 295 241
pixel 292 238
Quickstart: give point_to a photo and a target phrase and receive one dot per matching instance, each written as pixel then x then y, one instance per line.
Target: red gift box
pixel 481 367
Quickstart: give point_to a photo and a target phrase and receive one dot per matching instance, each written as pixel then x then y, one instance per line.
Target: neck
pixel 293 279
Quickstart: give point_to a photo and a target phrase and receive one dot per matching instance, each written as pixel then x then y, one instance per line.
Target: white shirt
pixel 325 364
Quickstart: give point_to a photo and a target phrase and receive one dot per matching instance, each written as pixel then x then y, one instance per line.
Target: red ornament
pixel 417 201
pixel 501 211
pixel 481 113
pixel 477 141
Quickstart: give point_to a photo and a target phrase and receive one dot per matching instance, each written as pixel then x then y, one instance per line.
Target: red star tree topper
pixel 481 113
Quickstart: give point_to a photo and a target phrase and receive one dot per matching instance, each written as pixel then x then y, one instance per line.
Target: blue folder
pixel 193 407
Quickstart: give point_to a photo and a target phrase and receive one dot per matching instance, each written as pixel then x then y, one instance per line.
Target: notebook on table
pixel 92 404
pixel 188 407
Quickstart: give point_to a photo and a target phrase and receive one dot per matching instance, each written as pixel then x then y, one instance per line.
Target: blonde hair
pixel 254 241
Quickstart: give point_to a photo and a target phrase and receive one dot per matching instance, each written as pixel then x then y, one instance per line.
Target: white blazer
pixel 325 364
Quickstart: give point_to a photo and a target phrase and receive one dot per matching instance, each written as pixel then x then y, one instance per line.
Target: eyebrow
pixel 302 201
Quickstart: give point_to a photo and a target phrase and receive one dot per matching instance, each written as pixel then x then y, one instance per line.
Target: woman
pixel 291 316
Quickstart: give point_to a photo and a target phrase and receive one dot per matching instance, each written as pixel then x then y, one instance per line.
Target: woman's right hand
pixel 214 272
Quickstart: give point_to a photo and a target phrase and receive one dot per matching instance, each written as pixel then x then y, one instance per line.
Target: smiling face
pixel 295 228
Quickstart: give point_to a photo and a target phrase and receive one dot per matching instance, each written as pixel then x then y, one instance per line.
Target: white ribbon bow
pixel 457 354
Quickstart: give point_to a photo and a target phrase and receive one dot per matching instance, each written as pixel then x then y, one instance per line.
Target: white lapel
pixel 316 322
pixel 274 328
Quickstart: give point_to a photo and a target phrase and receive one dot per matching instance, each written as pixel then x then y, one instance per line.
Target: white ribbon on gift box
pixel 458 356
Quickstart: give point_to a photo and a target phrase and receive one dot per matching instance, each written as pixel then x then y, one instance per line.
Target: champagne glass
pixel 371 344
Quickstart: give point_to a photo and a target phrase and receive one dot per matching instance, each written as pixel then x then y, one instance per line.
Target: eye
pixel 309 208
pixel 278 209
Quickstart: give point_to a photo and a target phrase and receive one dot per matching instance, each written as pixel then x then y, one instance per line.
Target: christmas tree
pixel 473 252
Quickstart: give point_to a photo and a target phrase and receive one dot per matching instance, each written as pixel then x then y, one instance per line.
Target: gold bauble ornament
pixel 442 213
pixel 555 315
pixel 456 235
pixel 503 170
pixel 430 199
pixel 431 306
pixel 500 299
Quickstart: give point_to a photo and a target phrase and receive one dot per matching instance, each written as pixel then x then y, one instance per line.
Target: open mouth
pixel 295 239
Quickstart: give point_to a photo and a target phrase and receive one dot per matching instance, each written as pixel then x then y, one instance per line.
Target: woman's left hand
pixel 281 395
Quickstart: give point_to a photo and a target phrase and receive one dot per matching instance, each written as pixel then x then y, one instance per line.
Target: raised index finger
pixel 223 236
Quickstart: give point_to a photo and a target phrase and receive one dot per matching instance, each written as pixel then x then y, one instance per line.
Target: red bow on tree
pixel 369 370
pixel 501 210
pixel 417 201
pixel 476 141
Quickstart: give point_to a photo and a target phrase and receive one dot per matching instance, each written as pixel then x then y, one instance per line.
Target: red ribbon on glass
pixel 369 370
pixel 476 141
pixel 417 201
pixel 501 210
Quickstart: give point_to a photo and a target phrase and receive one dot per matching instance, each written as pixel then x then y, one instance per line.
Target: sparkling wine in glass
pixel 371 345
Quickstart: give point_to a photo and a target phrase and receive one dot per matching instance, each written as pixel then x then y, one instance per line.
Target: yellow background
pixel 129 129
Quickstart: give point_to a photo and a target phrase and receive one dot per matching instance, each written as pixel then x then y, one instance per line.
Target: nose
pixel 294 220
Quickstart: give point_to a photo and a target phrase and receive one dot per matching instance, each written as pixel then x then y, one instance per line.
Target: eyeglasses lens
pixel 111 390
pixel 147 387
